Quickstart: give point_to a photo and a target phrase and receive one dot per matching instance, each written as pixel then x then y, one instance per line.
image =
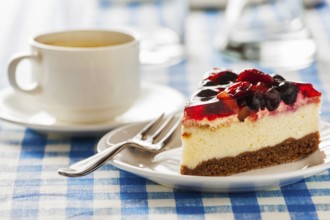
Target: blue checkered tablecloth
pixel 30 187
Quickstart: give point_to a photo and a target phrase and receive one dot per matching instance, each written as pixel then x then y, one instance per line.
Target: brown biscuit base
pixel 287 151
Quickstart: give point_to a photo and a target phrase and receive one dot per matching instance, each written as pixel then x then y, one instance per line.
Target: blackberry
pixel 278 79
pixel 207 93
pixel 289 92
pixel 221 78
pixel 273 99
pixel 256 101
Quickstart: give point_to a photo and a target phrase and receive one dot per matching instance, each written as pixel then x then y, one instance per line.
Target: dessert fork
pixel 152 138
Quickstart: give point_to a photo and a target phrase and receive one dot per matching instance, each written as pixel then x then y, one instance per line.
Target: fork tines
pixel 161 129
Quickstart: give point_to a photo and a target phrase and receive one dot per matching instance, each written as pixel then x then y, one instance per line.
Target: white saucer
pixel 153 100
pixel 163 168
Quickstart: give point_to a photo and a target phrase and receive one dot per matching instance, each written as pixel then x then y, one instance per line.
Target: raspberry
pixel 254 76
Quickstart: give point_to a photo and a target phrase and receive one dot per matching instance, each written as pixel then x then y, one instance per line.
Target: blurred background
pixel 182 39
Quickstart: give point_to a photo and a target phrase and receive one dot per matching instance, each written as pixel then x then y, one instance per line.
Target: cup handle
pixel 12 70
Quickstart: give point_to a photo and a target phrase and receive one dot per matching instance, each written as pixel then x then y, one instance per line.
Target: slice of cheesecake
pixel 239 122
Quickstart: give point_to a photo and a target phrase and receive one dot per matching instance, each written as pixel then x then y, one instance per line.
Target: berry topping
pixel 210 110
pixel 207 93
pixel 256 101
pixel 259 87
pixel 220 78
pixel 254 76
pixel 307 90
pixel 278 78
pixel 239 89
pixel 243 113
pixel 289 92
pixel 273 99
pixel 228 100
pixel 224 93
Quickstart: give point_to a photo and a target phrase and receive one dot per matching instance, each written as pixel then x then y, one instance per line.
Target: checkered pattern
pixel 30 188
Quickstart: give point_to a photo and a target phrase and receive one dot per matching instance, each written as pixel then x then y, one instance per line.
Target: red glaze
pixel 307 90
pixel 255 76
pixel 237 93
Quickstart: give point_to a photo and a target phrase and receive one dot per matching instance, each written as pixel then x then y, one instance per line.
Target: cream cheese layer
pixel 206 141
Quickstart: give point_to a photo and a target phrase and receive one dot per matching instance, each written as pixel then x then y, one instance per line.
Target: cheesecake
pixel 238 122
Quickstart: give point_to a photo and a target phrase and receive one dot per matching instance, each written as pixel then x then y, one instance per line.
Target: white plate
pixel 163 168
pixel 153 100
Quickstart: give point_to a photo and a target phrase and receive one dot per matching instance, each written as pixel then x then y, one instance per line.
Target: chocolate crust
pixel 287 151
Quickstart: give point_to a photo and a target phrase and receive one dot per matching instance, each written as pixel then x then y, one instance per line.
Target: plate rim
pixel 303 173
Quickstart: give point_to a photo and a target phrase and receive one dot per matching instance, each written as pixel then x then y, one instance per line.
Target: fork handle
pixel 90 164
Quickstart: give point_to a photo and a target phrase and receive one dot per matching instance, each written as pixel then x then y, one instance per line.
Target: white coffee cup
pixel 82 76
